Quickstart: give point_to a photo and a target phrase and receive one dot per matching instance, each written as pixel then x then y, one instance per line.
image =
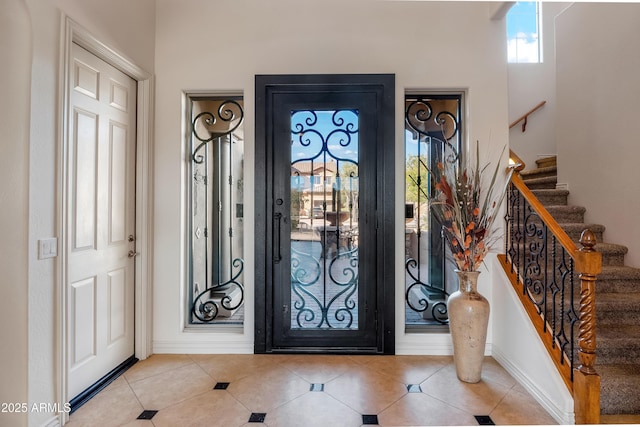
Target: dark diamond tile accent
pixel 257 417
pixel 484 420
pixel 221 386
pixel 371 420
pixel 147 415
pixel 317 387
pixel 414 388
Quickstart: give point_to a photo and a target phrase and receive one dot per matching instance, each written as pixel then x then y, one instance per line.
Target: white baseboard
pixel 429 345
pixel 202 347
pixel 559 414
pixel 562 186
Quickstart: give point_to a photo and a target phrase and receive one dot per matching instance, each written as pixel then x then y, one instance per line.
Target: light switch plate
pixel 47 248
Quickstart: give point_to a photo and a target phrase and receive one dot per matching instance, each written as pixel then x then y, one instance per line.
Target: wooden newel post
pixel 586 387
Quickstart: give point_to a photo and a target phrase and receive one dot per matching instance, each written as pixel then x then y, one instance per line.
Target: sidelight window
pixel 215 210
pixel 433 129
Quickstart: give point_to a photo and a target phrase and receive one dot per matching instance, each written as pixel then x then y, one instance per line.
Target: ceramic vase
pixel 468 319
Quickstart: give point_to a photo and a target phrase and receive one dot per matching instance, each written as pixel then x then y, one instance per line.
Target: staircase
pixel 617 297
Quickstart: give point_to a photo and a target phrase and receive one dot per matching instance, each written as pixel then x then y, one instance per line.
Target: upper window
pixel 523 33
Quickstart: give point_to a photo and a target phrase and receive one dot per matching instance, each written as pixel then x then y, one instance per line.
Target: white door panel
pixel 101 207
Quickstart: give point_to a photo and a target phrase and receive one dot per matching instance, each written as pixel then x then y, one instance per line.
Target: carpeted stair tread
pixel 619 385
pixel 620 272
pixel 618 301
pixel 547 161
pixel 612 254
pixel 567 213
pixel 551 196
pixel 618 343
pixel 548 182
pixel 539 172
pixel 620 333
pixel 575 229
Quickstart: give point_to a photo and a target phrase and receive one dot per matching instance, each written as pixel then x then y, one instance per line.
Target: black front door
pixel 324 194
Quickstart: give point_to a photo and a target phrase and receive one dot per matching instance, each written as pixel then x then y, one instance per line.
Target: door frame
pixel 72 32
pixel 385 213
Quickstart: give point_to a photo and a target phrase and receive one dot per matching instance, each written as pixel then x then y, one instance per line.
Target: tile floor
pixel 307 391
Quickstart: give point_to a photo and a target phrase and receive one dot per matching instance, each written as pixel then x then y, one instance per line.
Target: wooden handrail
pixel 526 115
pixel 583 381
pixel 561 235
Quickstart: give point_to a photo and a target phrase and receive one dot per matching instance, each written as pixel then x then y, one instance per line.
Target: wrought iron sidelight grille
pixel 433 129
pixel 215 164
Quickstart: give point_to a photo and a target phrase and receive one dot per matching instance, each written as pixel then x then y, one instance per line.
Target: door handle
pixel 277 217
pixel 133 254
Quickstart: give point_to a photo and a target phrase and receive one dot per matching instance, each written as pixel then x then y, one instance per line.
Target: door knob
pixel 132 254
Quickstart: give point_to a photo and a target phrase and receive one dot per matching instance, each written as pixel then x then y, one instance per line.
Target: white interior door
pixel 100 234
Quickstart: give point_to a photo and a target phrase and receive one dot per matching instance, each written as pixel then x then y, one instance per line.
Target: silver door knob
pixel 132 254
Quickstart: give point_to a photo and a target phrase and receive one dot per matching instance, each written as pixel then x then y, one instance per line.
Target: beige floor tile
pixel 409 369
pixel 519 388
pixel 117 383
pixel 365 390
pixel 156 364
pixel 180 387
pixel 159 391
pixel 139 423
pixel 319 368
pixel 418 409
pixel 232 367
pixel 268 388
pixel 313 409
pixel 492 370
pixel 213 408
pixel 475 399
pixel 114 406
pixel 518 409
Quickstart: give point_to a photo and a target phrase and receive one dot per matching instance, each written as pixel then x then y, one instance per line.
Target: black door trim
pixel 265 87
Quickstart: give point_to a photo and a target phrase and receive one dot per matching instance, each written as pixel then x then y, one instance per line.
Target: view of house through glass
pixel 524 33
pixel 215 169
pixel 324 219
pixel 433 130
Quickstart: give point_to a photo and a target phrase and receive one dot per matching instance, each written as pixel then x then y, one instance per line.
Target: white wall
pixel 15 25
pixel 518 349
pixel 598 81
pixel 127 27
pixel 530 84
pixel 220 46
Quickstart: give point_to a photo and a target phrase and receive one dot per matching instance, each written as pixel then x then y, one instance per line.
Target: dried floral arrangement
pixel 466 209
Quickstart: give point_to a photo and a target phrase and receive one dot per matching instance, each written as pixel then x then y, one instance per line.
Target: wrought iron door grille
pixel 324 212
